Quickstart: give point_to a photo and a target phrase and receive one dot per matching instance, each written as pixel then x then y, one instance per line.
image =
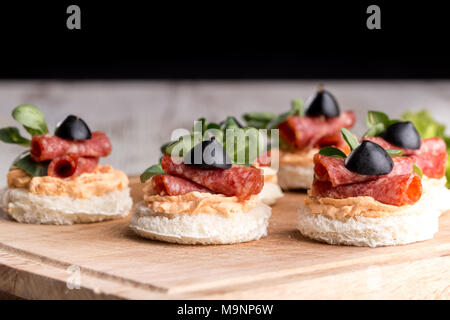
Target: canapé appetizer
pixel 429 154
pixel 58 180
pixel 372 197
pixel 202 194
pixel 303 131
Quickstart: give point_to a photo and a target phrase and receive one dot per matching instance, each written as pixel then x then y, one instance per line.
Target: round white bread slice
pixel 437 192
pixel 270 193
pixel 295 176
pixel 411 226
pixel 201 228
pixel 26 207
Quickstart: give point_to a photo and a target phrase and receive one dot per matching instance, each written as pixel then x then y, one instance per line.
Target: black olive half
pixel 208 154
pixel 322 103
pixel 73 128
pixel 369 159
pixel 403 135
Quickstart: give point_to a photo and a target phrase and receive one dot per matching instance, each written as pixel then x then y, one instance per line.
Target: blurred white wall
pixel 139 116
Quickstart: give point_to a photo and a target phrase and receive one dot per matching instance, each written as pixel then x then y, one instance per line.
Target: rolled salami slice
pixel 166 185
pixel 48 147
pixel 307 132
pixel 239 181
pixel 398 190
pixel 71 165
pixel 331 169
pixel 431 157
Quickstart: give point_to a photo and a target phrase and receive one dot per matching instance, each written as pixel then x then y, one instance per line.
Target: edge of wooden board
pixel 427 277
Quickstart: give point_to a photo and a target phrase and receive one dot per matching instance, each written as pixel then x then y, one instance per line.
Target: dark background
pixel 224 40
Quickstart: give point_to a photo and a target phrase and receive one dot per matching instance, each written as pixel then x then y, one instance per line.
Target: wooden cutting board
pixel 109 261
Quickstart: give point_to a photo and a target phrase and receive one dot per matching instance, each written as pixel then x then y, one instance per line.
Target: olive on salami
pixel 322 103
pixel 403 134
pixel 333 170
pixel 73 128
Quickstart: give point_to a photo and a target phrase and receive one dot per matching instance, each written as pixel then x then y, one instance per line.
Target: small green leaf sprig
pixel 268 120
pixel 377 122
pixel 33 120
pixel 151 171
pixel 219 130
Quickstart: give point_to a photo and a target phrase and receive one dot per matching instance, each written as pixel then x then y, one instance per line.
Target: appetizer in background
pixel 372 197
pixel 203 194
pixel 303 131
pixel 271 191
pixel 429 153
pixel 58 179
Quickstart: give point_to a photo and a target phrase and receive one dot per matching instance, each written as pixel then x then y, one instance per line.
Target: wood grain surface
pixel 139 116
pixel 37 261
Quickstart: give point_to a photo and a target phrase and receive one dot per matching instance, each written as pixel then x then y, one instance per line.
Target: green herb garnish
pixel 394 152
pixel 33 121
pixel 229 123
pixel 31 118
pixel 377 122
pixel 152 171
pixel 12 135
pixel 235 140
pixel 350 139
pixel 417 170
pixel 332 152
pixel 296 110
pixel 34 169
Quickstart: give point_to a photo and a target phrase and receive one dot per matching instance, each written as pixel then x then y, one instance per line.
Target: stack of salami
pixel 402 186
pixel 70 158
pixel 239 181
pixel 431 157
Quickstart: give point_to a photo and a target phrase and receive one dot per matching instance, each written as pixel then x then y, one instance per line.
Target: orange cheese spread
pixel 196 202
pixel 101 181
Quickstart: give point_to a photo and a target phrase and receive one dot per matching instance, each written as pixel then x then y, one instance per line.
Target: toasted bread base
pixel 26 207
pixel 201 228
pixel 371 232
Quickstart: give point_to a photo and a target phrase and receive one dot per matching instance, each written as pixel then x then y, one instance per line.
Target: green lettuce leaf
pixel 425 124
pixel 428 127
